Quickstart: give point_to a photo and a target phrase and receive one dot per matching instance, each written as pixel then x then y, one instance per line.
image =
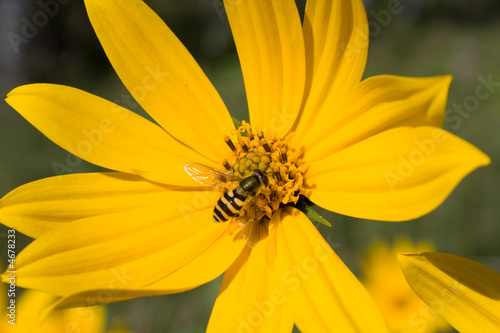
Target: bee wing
pixel 208 176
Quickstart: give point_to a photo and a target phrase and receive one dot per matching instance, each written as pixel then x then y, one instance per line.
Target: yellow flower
pixel 371 149
pixel 464 292
pixel 23 315
pixel 400 306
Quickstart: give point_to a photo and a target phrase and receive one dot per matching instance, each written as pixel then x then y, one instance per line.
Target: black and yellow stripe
pixel 229 205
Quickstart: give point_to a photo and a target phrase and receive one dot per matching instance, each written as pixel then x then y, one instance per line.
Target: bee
pixel 232 201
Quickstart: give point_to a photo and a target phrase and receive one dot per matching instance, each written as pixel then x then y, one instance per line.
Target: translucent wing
pixel 208 176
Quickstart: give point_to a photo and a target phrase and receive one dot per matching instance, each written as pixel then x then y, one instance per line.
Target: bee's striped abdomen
pixel 229 205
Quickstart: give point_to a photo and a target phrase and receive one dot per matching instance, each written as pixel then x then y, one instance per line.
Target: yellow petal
pixel 377 104
pixel 161 74
pixel 322 293
pixel 104 133
pixel 464 292
pixel 336 44
pixel 397 175
pixel 40 206
pixel 270 45
pixel 249 300
pixel 124 250
pixel 203 268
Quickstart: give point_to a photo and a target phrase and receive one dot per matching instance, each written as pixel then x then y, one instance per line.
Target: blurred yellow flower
pixel 25 315
pixel 402 309
pixel 464 292
pixel 371 149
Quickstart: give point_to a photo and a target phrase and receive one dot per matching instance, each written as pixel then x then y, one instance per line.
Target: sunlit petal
pixel 377 104
pixel 143 245
pixel 336 44
pixel 249 299
pixel 464 292
pixel 322 293
pixel 205 267
pixel 104 133
pixel 270 45
pixel 49 203
pixel 397 175
pixel 161 74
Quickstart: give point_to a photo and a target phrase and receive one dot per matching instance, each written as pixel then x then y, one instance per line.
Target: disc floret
pixel 276 159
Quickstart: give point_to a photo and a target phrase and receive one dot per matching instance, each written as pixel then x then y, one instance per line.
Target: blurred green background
pixel 426 38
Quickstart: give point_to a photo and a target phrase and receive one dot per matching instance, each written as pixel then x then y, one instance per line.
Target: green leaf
pixel 236 122
pixel 305 206
pixel 314 216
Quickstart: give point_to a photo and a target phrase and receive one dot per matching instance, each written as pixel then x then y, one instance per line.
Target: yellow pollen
pixel 273 157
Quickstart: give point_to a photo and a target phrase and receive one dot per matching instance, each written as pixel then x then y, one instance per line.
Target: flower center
pixel 274 158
